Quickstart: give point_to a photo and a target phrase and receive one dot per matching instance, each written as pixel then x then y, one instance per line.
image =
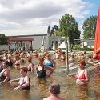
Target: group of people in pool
pixel 59 54
pixel 44 69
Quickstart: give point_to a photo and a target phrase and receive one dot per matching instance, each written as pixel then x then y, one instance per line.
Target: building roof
pixel 29 35
pixel 19 39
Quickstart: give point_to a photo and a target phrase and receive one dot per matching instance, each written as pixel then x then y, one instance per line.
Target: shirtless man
pixel 54 92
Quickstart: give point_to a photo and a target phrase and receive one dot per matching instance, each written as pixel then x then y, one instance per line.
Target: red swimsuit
pixel 82 76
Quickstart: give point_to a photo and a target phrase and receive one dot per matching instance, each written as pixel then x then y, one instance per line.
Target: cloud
pixel 33 13
pixel 23 31
pixel 37 12
pixel 9 25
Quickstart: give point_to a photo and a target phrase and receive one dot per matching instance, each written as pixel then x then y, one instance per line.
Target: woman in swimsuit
pixel 41 72
pixel 30 64
pixel 49 65
pixel 24 81
pixel 17 62
pixel 35 55
pixel 82 76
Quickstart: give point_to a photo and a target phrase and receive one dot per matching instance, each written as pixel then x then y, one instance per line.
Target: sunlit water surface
pixel 39 87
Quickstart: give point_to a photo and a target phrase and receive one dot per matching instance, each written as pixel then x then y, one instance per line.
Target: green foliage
pixel 52 31
pixel 3 39
pixel 69 28
pixel 87 49
pixel 78 47
pixel 57 32
pixel 89 27
pixel 77 42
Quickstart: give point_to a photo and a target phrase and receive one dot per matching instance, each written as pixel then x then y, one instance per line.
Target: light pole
pixel 67 63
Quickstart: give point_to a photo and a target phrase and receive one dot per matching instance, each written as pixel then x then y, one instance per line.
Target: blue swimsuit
pixel 48 63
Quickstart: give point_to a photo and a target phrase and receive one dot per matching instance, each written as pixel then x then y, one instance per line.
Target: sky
pixel 25 17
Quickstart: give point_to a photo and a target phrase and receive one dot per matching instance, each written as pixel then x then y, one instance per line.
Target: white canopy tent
pixel 62 46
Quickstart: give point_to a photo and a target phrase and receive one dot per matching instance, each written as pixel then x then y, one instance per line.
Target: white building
pixel 40 41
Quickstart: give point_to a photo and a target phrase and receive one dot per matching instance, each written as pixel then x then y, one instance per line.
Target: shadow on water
pixel 39 87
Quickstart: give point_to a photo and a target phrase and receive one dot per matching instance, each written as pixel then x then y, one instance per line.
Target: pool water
pixel 39 87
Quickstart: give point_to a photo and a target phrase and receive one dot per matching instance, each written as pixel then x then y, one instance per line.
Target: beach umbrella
pixel 97 37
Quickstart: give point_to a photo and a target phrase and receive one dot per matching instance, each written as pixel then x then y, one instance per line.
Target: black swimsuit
pixel 41 73
pixel 27 87
pixel 1 69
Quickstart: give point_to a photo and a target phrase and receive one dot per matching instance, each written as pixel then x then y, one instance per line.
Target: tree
pixel 69 28
pixel 54 28
pixel 3 39
pixel 89 27
pixel 57 32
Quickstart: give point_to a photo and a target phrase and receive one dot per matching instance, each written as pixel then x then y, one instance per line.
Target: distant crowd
pixel 45 68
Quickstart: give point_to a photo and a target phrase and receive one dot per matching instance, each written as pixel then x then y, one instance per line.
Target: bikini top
pixel 48 63
pixel 81 74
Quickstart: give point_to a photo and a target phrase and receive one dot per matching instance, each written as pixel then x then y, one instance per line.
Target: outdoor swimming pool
pixel 39 88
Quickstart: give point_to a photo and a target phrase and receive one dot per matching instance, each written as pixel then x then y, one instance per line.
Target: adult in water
pixel 1 60
pixel 41 72
pixel 82 75
pixel 24 81
pixel 54 93
pixel 49 65
pixel 30 64
pixel 5 73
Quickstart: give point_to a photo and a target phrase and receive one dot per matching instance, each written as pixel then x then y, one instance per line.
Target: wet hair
pixel 63 53
pixel 48 55
pixel 24 69
pixel 82 62
pixel 55 88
